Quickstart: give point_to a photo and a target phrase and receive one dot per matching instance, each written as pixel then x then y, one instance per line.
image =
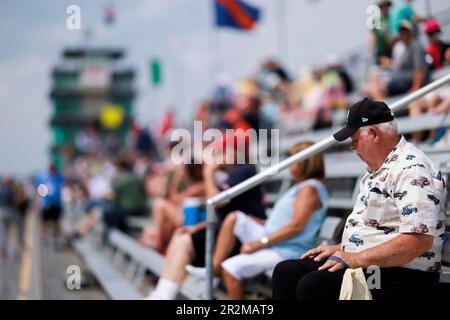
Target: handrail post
pixel 211 219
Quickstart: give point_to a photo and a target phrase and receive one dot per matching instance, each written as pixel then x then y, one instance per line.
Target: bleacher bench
pixel 111 279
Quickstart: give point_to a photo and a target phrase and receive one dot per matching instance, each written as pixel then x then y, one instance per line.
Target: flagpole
pixel 213 46
pixel 281 32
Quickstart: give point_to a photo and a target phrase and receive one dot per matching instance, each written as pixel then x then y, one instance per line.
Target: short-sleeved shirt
pixel 129 193
pixel 54 183
pixel 250 202
pixel 413 57
pixel 405 195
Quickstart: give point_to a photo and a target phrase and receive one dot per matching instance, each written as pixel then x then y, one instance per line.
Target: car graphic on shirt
pixel 410 157
pixel 437 176
pixel 364 200
pixel 435 268
pixel 400 194
pixel 421 228
pixel 407 210
pixel 378 191
pixel 356 240
pixel 429 255
pixel 414 165
pixel 421 182
pixel 392 159
pixel 386 230
pixel 372 223
pixel 433 198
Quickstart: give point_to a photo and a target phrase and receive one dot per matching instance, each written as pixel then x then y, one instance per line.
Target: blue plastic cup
pixel 194 211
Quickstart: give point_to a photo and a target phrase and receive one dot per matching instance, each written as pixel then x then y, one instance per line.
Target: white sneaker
pixel 200 273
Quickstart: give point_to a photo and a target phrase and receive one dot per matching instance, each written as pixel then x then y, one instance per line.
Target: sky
pixel 179 33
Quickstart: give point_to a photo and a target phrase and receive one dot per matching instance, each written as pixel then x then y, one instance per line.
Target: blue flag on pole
pixel 236 14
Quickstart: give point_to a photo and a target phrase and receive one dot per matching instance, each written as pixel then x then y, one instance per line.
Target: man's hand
pixel 251 247
pixel 320 252
pixel 352 259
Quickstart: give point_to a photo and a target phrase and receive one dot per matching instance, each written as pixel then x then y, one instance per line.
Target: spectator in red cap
pixel 436 48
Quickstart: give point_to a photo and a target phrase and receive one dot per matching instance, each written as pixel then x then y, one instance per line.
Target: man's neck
pixel 387 149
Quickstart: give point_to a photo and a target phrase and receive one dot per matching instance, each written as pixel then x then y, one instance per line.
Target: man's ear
pixel 375 133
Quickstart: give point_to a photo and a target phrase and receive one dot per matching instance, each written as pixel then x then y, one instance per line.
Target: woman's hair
pixel 313 167
pixel 194 170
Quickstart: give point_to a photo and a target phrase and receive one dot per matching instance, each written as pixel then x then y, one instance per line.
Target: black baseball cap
pixel 364 113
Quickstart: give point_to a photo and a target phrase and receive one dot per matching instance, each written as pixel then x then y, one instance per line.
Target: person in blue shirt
pixel 49 185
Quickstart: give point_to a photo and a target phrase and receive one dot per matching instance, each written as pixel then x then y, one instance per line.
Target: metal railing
pixel 259 178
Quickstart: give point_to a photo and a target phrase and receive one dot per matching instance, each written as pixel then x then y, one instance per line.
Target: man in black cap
pixel 397 223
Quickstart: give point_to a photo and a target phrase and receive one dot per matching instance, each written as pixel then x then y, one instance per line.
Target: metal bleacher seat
pixel 141 259
pixel 111 279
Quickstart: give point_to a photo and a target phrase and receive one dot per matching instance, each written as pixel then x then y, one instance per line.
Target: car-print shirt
pixel 405 195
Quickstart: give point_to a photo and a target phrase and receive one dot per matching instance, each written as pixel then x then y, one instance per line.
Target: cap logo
pixel 364 120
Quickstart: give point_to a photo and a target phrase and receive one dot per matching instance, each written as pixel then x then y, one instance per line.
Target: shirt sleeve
pixel 419 204
pixel 236 176
pixel 418 56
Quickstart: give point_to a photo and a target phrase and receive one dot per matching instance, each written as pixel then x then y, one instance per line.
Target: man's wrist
pixel 360 259
pixel 264 241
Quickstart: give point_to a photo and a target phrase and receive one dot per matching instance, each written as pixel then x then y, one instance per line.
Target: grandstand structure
pixel 91 88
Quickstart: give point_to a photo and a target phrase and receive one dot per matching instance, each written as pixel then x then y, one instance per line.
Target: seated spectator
pixel 167 213
pixel 188 243
pixel 334 101
pixel 436 48
pixel 290 230
pixel 397 224
pixel 409 71
pixel 128 196
pixel 436 102
pixel 97 194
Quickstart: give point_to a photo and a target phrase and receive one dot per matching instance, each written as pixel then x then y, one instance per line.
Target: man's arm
pixel 418 78
pixel 393 253
pixel 396 252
